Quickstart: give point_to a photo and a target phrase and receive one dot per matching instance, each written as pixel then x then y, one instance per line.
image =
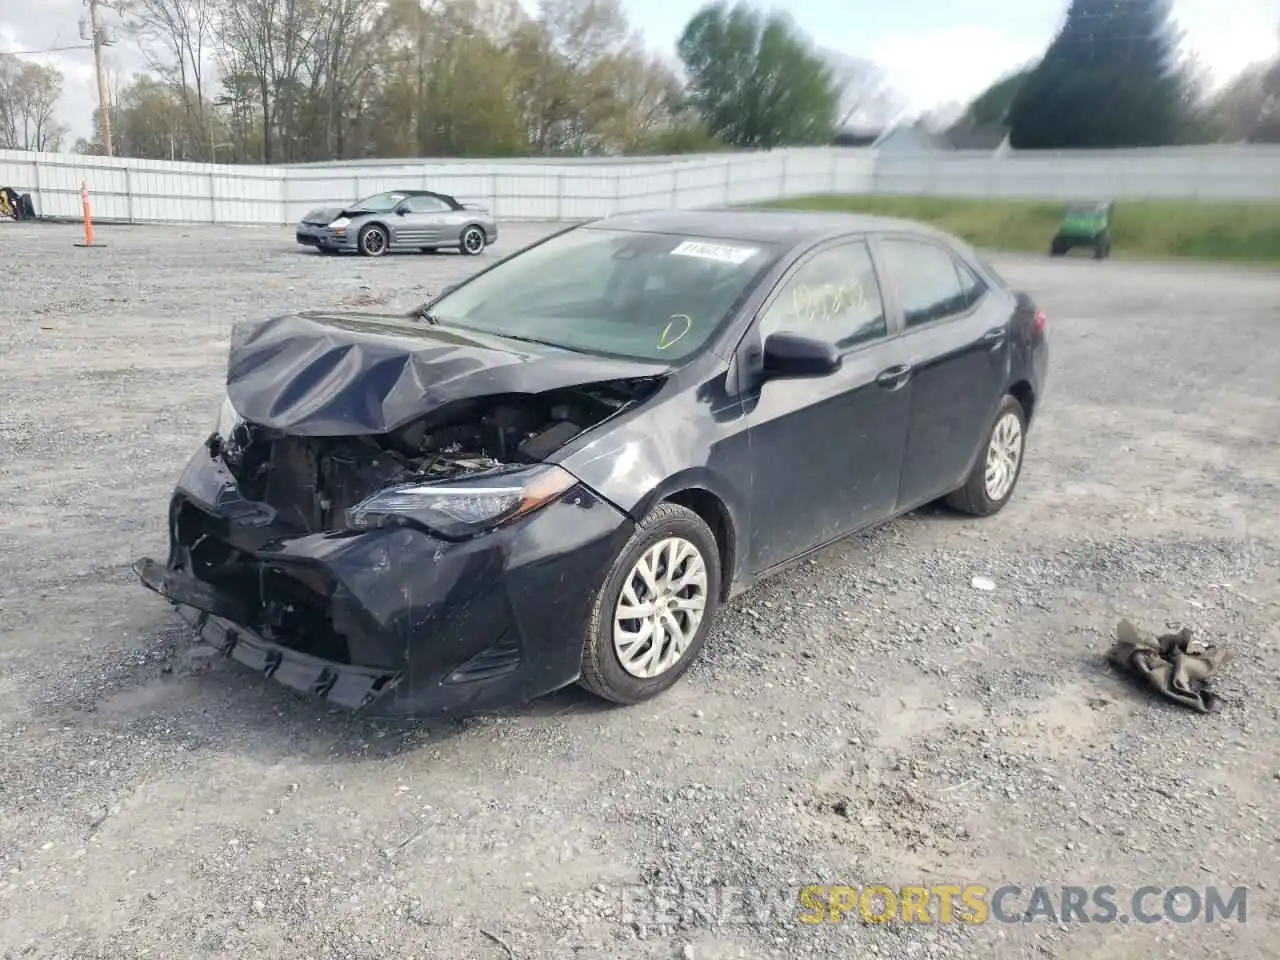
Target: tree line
pixel 282 81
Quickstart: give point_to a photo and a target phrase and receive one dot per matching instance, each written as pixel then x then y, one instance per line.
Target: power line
pixel 34 53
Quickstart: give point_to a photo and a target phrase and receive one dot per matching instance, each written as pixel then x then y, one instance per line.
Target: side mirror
pixel 402 210
pixel 791 355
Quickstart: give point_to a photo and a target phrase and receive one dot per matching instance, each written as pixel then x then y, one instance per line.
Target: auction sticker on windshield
pixel 715 251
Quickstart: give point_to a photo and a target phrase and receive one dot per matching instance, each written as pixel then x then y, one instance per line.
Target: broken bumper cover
pixel 312 235
pixel 405 624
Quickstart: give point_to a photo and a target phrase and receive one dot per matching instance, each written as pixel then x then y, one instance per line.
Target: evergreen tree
pixel 1112 77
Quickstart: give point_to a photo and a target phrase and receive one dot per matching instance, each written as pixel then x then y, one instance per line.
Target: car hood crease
pixel 316 374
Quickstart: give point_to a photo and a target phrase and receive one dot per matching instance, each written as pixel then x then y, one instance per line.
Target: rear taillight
pixel 1040 323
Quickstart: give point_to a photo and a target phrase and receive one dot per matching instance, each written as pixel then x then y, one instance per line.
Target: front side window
pixel 641 296
pixel 834 296
pixel 926 280
pixel 426 205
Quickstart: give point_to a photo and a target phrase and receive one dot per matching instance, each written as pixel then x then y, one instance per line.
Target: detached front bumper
pixel 322 237
pixel 391 622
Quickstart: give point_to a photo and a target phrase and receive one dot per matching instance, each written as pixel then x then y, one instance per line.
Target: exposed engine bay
pixel 312 482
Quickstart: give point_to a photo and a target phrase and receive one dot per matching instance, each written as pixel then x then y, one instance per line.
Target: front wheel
pixel 471 242
pixel 372 241
pixel 995 475
pixel 653 611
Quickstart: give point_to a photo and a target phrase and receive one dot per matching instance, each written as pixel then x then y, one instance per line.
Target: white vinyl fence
pixel 152 191
pixel 161 191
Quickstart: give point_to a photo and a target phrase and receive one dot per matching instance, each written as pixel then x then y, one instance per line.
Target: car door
pixel 422 222
pixel 956 340
pixel 825 451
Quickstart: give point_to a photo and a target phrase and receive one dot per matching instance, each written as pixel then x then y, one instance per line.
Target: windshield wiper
pixel 545 343
pixel 426 316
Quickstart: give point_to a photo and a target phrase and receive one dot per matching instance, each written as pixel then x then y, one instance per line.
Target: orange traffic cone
pixel 88 218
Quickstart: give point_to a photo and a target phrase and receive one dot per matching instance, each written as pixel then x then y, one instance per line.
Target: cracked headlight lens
pixel 463 508
pixel 228 419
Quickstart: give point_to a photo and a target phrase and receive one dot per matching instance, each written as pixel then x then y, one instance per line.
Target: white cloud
pixel 930 67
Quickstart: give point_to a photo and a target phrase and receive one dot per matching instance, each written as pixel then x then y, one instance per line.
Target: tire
pixel 974 497
pixel 472 242
pixel 603 670
pixel 373 241
pixel 1057 248
pixel 1102 249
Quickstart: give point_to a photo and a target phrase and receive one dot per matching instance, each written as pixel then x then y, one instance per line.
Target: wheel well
pixel 478 226
pixel 1022 392
pixel 716 516
pixel 372 223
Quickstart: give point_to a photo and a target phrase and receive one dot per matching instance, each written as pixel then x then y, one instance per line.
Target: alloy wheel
pixel 473 240
pixel 660 608
pixel 374 243
pixel 1004 454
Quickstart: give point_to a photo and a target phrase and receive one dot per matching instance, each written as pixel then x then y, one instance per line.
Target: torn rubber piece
pixel 178 587
pixel 1174 665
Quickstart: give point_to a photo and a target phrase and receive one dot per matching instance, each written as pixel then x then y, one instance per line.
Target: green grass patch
pixel 1146 229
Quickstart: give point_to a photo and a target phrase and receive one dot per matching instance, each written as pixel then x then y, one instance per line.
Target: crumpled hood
pixel 318 374
pixel 324 215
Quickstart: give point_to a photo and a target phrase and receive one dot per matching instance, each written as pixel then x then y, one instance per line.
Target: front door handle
pixel 894 377
pixel 995 337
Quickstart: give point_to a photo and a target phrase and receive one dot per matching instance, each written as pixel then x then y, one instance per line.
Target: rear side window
pixel 927 280
pixel 971 285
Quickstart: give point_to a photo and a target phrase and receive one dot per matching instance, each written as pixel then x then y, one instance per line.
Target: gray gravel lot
pixel 866 718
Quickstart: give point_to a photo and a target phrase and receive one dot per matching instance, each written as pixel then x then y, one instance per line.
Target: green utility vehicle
pixel 1084 225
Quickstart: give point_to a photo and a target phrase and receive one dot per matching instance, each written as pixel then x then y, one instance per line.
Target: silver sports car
pixel 400 220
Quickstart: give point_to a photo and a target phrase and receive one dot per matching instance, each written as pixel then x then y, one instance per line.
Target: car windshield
pixel 1086 210
pixel 379 202
pixel 614 293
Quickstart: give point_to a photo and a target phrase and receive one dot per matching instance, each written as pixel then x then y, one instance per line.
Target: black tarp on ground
pixel 16 205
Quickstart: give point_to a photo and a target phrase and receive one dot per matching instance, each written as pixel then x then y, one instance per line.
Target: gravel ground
pixel 866 718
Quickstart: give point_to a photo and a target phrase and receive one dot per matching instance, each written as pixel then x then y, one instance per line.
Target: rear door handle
pixel 995 336
pixel 894 377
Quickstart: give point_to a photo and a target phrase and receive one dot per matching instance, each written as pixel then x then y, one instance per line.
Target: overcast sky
pixel 933 51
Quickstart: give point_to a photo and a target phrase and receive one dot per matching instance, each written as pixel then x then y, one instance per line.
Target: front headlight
pixel 339 223
pixel 228 419
pixel 463 508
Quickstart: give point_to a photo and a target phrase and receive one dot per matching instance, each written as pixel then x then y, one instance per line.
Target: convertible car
pixel 399 220
pixel 559 469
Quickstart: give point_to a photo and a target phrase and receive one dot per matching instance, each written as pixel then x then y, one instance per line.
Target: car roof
pixel 790 227
pixel 415 193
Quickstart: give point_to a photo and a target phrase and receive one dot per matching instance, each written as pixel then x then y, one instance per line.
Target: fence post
pixel 728 180
pixel 128 192
pixel 560 195
pixel 35 189
pixel 675 188
pixel 213 197
pixel 782 179
pixel 493 195
pixel 617 194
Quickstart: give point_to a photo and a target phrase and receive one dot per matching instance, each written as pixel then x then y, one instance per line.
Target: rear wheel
pixel 471 242
pixel 1102 248
pixel 1057 248
pixel 995 475
pixel 653 611
pixel 372 241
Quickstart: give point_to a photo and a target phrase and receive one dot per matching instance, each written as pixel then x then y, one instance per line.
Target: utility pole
pixel 104 106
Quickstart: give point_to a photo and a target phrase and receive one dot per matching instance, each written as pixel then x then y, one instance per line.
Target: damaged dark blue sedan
pixel 557 470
